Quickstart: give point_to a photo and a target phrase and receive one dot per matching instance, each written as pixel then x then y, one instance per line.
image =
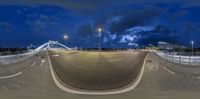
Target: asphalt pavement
pixel 162 79
pixel 97 71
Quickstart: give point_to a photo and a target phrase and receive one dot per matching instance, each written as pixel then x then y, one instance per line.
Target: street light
pixel 192 42
pixel 65 37
pixel 99 30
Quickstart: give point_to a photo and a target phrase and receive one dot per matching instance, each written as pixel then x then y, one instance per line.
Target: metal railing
pixel 13 57
pixel 188 58
pixel 12 53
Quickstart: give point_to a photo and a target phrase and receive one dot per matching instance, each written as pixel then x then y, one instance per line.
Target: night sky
pixel 125 23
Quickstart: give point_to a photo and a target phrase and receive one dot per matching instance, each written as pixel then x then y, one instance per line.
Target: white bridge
pixel 21 56
pixel 48 46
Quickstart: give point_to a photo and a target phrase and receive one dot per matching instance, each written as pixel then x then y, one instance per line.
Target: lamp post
pixel 192 42
pixel 65 37
pixel 99 30
pixel 28 50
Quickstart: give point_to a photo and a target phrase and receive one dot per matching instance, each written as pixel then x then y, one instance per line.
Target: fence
pixel 13 57
pixel 189 58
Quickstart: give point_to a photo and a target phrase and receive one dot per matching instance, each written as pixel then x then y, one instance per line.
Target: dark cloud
pixel 190 27
pixel 91 5
pixel 162 29
pixel 160 33
pixel 154 39
pixel 123 18
pixel 5 27
pixel 86 30
pixel 134 18
pixel 127 18
pixel 115 16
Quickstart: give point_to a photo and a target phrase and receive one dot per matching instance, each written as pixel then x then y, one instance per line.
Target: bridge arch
pixel 47 46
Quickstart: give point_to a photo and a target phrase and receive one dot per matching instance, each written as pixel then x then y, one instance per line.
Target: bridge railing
pixel 12 53
pixel 13 57
pixel 188 58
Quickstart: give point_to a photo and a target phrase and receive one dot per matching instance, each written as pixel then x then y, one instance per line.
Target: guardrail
pixel 189 58
pixel 13 57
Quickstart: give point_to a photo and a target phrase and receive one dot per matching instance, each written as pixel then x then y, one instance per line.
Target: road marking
pixel 62 87
pixel 17 86
pixel 153 67
pixel 9 76
pixel 33 64
pixel 42 62
pixel 21 82
pixel 168 70
pixel 55 55
pixel 5 88
pixel 116 60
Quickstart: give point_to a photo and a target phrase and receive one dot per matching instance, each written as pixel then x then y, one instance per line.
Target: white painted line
pixel 33 64
pixel 5 88
pixel 17 86
pixel 55 55
pixel 62 87
pixel 42 62
pixel 9 76
pixel 168 70
pixel 116 60
pixel 22 82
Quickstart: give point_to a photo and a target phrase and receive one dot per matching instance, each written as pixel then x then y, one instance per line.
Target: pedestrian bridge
pixel 49 44
pixel 14 58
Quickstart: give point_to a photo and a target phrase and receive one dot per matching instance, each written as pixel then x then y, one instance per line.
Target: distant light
pixel 192 42
pixel 99 29
pixel 65 37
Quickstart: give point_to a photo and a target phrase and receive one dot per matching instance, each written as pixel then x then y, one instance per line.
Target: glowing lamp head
pixel 65 37
pixel 99 29
pixel 192 42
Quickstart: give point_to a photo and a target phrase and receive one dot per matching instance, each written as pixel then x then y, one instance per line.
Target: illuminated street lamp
pixel 192 42
pixel 65 37
pixel 99 30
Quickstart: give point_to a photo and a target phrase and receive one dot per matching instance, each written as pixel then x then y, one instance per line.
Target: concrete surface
pixel 161 80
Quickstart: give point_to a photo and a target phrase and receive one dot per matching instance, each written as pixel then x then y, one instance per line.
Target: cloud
pixel 5 27
pixel 132 18
pixel 39 24
pixel 133 44
pixel 128 38
pixel 105 39
pixel 112 37
pixel 143 35
pixel 86 30
pixel 160 33
pixel 161 29
pixel 139 29
pixel 190 27
pixel 90 7
pixel 121 22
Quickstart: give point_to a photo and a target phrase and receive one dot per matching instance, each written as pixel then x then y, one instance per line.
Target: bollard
pixel 179 58
pixel 189 59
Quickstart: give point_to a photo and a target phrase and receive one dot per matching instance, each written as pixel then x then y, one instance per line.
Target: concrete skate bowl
pixel 94 71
